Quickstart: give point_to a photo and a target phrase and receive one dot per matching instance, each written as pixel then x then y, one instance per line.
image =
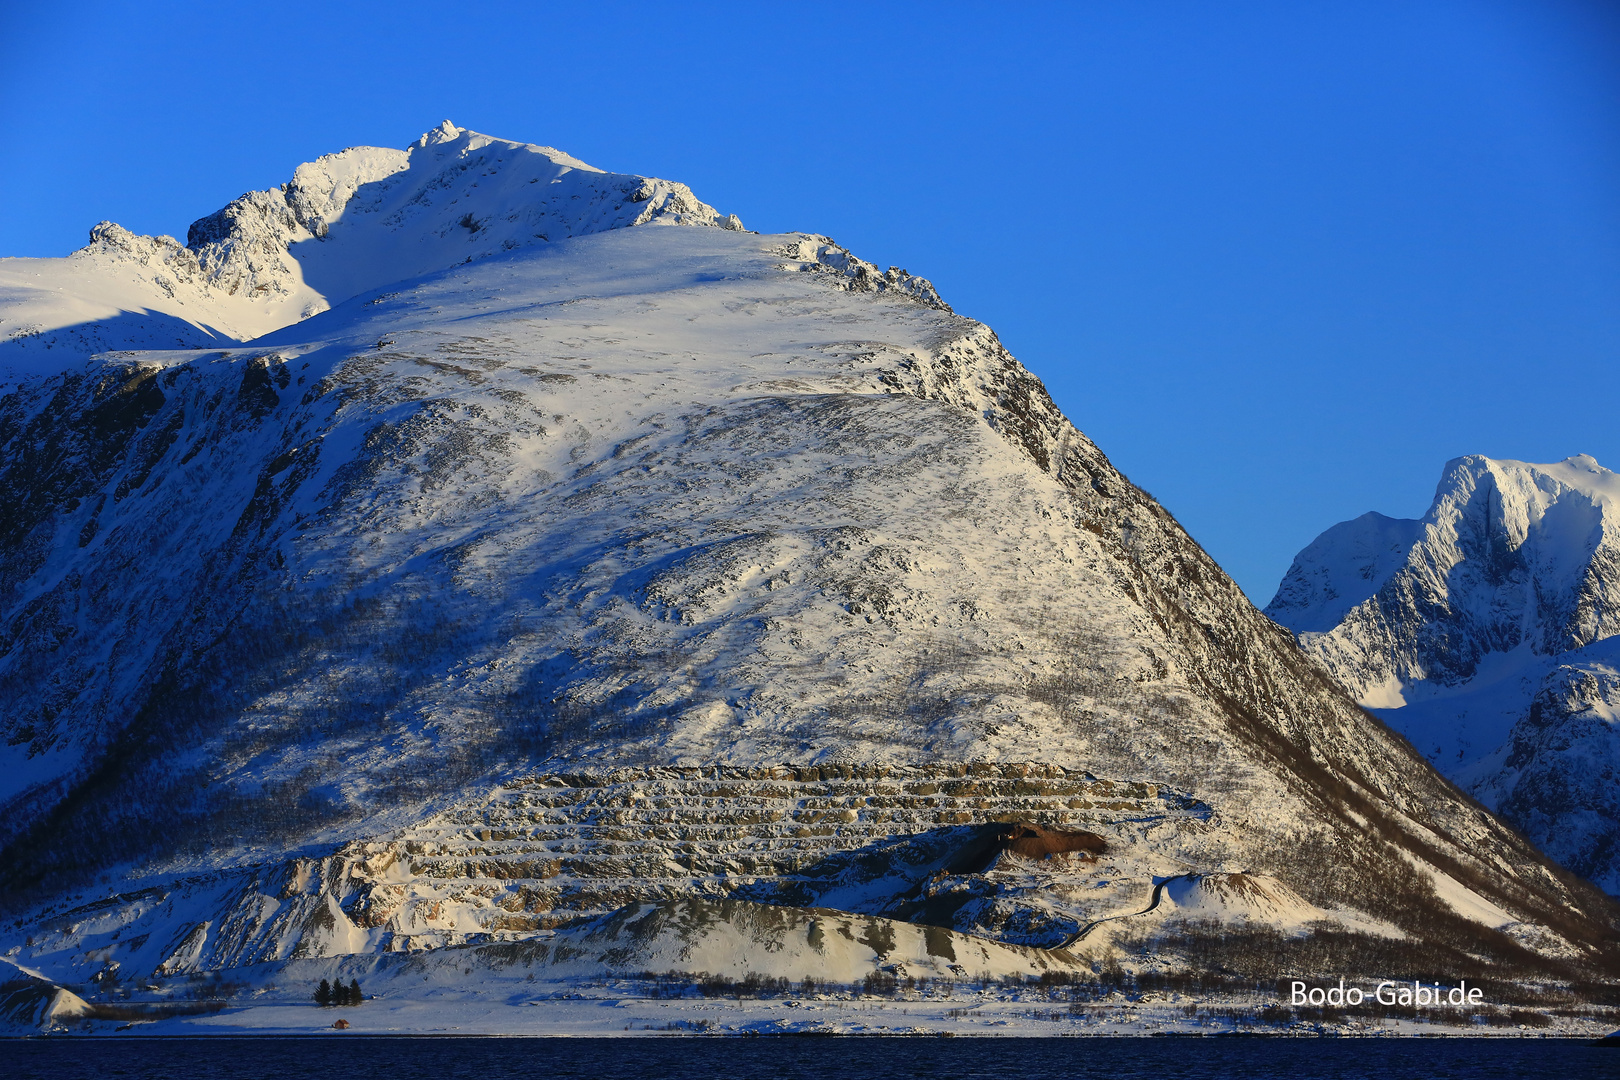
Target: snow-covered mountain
pixel 1486 633
pixel 570 562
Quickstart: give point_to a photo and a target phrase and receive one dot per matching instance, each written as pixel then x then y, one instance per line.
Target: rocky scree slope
pixel 387 630
pixel 1486 632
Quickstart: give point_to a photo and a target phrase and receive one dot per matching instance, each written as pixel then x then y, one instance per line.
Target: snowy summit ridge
pixel 344 224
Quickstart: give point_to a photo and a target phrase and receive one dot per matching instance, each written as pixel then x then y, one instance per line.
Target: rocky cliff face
pixel 1485 632
pixel 654 563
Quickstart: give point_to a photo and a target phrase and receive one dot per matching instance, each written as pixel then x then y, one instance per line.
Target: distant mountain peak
pixel 1468 628
pixel 1532 531
pixel 1577 473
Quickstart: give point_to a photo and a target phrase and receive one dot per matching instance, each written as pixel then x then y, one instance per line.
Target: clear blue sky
pixel 1281 260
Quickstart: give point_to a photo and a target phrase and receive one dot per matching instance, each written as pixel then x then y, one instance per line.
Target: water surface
pixel 347 1057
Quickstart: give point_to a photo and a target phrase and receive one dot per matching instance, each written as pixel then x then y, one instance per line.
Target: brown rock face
pixel 1034 842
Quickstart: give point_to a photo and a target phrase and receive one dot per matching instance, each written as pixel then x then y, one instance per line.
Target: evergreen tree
pixel 354 992
pixel 323 993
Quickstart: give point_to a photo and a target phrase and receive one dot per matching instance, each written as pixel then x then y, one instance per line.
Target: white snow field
pixel 559 556
pixel 1486 633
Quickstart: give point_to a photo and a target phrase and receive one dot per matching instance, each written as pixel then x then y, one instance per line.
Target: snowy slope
pixel 1485 632
pixel 644 564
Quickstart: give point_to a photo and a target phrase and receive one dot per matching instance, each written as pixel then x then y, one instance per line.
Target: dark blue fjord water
pixel 370 1058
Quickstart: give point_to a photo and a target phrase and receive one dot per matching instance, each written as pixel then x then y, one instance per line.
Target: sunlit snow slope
pixel 631 563
pixel 1486 632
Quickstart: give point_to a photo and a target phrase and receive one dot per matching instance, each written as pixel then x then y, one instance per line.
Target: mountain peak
pixel 1579 472
pixel 1585 462
pixel 450 142
pixel 1531 530
pixel 443 133
pixel 368 216
pixel 344 224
